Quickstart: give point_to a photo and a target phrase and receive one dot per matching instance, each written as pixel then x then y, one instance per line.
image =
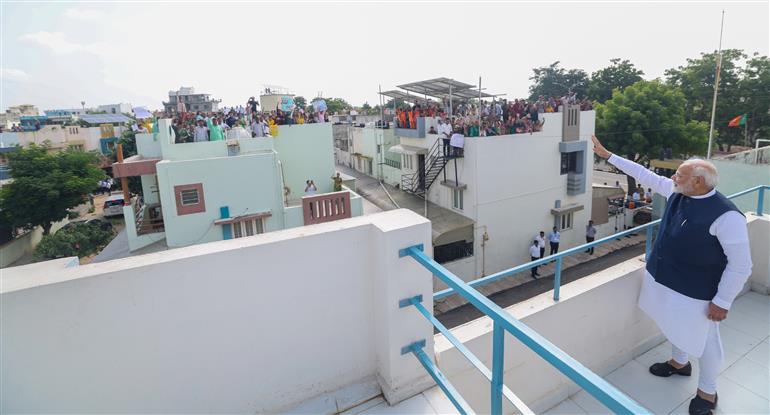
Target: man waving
pixel 698 265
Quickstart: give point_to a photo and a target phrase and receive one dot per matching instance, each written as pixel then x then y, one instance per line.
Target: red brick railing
pixel 326 207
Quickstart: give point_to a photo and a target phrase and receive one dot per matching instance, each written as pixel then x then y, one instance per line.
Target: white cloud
pixel 83 14
pixel 13 74
pixel 60 45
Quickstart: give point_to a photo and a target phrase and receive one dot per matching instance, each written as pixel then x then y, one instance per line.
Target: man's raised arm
pixel 659 184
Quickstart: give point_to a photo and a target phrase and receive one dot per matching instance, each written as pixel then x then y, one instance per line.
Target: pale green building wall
pixel 149 190
pixel 391 175
pixel 306 152
pixel 250 182
pixel 246 184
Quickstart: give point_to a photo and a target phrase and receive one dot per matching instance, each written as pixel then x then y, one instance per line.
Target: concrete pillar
pixel 400 376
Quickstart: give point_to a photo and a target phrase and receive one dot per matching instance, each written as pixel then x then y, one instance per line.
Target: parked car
pixel 113 206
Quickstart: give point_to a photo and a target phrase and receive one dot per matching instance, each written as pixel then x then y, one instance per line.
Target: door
pixel 421 169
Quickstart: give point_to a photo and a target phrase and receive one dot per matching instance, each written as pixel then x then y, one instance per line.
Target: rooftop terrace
pixel 332 317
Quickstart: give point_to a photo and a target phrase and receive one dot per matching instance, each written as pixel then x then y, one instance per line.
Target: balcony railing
pixel 600 389
pixel 148 218
pixel 649 229
pixel 326 207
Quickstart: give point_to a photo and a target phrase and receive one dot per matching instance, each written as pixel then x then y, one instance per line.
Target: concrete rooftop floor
pixel 743 384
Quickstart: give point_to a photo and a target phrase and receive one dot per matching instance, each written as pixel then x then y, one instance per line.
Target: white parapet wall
pixel 300 318
pixel 16 248
pixel 759 235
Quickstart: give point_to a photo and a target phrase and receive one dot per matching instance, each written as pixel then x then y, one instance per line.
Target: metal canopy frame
pixel 442 88
pixel 436 85
pixel 104 118
pixel 404 96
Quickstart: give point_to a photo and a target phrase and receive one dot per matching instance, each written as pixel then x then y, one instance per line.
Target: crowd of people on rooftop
pixel 214 126
pixel 498 117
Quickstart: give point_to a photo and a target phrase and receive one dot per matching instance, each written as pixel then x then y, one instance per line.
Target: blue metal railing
pixel 600 389
pixel 647 227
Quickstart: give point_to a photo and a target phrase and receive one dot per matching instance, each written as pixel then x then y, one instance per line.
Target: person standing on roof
pixel 698 266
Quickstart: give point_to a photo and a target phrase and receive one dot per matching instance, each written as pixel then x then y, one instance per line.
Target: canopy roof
pixel 404 96
pixel 104 118
pixel 441 88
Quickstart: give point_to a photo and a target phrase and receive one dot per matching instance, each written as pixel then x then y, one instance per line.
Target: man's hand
pixel 716 313
pixel 599 149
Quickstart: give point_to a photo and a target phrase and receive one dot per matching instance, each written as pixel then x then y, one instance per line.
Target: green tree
pixel 754 98
pixel 81 241
pixel 400 103
pixel 553 81
pixel 647 118
pixel 696 81
pixel 620 75
pixel 300 102
pixel 46 185
pixel 336 105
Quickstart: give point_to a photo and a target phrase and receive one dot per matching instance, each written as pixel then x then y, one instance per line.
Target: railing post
pixel 395 278
pixel 648 243
pixel 760 200
pixel 498 354
pixel 557 279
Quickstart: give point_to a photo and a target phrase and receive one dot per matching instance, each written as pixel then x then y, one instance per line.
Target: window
pixel 569 162
pixel 379 148
pixel 393 163
pixel 248 228
pixel 566 221
pixel 452 251
pixel 190 197
pixel 457 199
pixel 408 162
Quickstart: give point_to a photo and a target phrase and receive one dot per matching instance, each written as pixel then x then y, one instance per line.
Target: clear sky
pixel 55 55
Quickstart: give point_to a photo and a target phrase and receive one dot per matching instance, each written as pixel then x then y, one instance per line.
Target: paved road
pixel 602 177
pixel 519 293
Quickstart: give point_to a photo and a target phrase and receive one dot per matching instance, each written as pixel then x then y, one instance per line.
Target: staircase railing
pixel 435 162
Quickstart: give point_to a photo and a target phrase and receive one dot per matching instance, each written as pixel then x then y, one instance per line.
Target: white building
pixel 121 108
pixel 12 114
pixel 510 186
pixel 101 134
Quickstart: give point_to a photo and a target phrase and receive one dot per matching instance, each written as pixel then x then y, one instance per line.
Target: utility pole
pixel 716 89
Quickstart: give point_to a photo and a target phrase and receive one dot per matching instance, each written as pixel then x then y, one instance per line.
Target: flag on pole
pixel 737 121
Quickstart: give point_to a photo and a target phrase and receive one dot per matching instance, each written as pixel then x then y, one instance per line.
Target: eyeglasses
pixel 680 175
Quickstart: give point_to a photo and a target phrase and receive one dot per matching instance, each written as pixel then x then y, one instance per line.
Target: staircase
pixel 435 161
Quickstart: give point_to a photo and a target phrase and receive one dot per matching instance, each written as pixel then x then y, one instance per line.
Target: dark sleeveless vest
pixel 686 257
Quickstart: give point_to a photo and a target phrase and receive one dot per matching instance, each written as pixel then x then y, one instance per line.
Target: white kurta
pixel 682 319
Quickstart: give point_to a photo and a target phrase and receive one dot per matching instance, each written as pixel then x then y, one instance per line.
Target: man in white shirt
pixel 636 197
pixel 540 238
pixel 699 264
pixel 444 132
pixel 590 236
pixel 554 237
pixel 457 141
pixel 201 132
pixel 534 253
pixel 257 129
